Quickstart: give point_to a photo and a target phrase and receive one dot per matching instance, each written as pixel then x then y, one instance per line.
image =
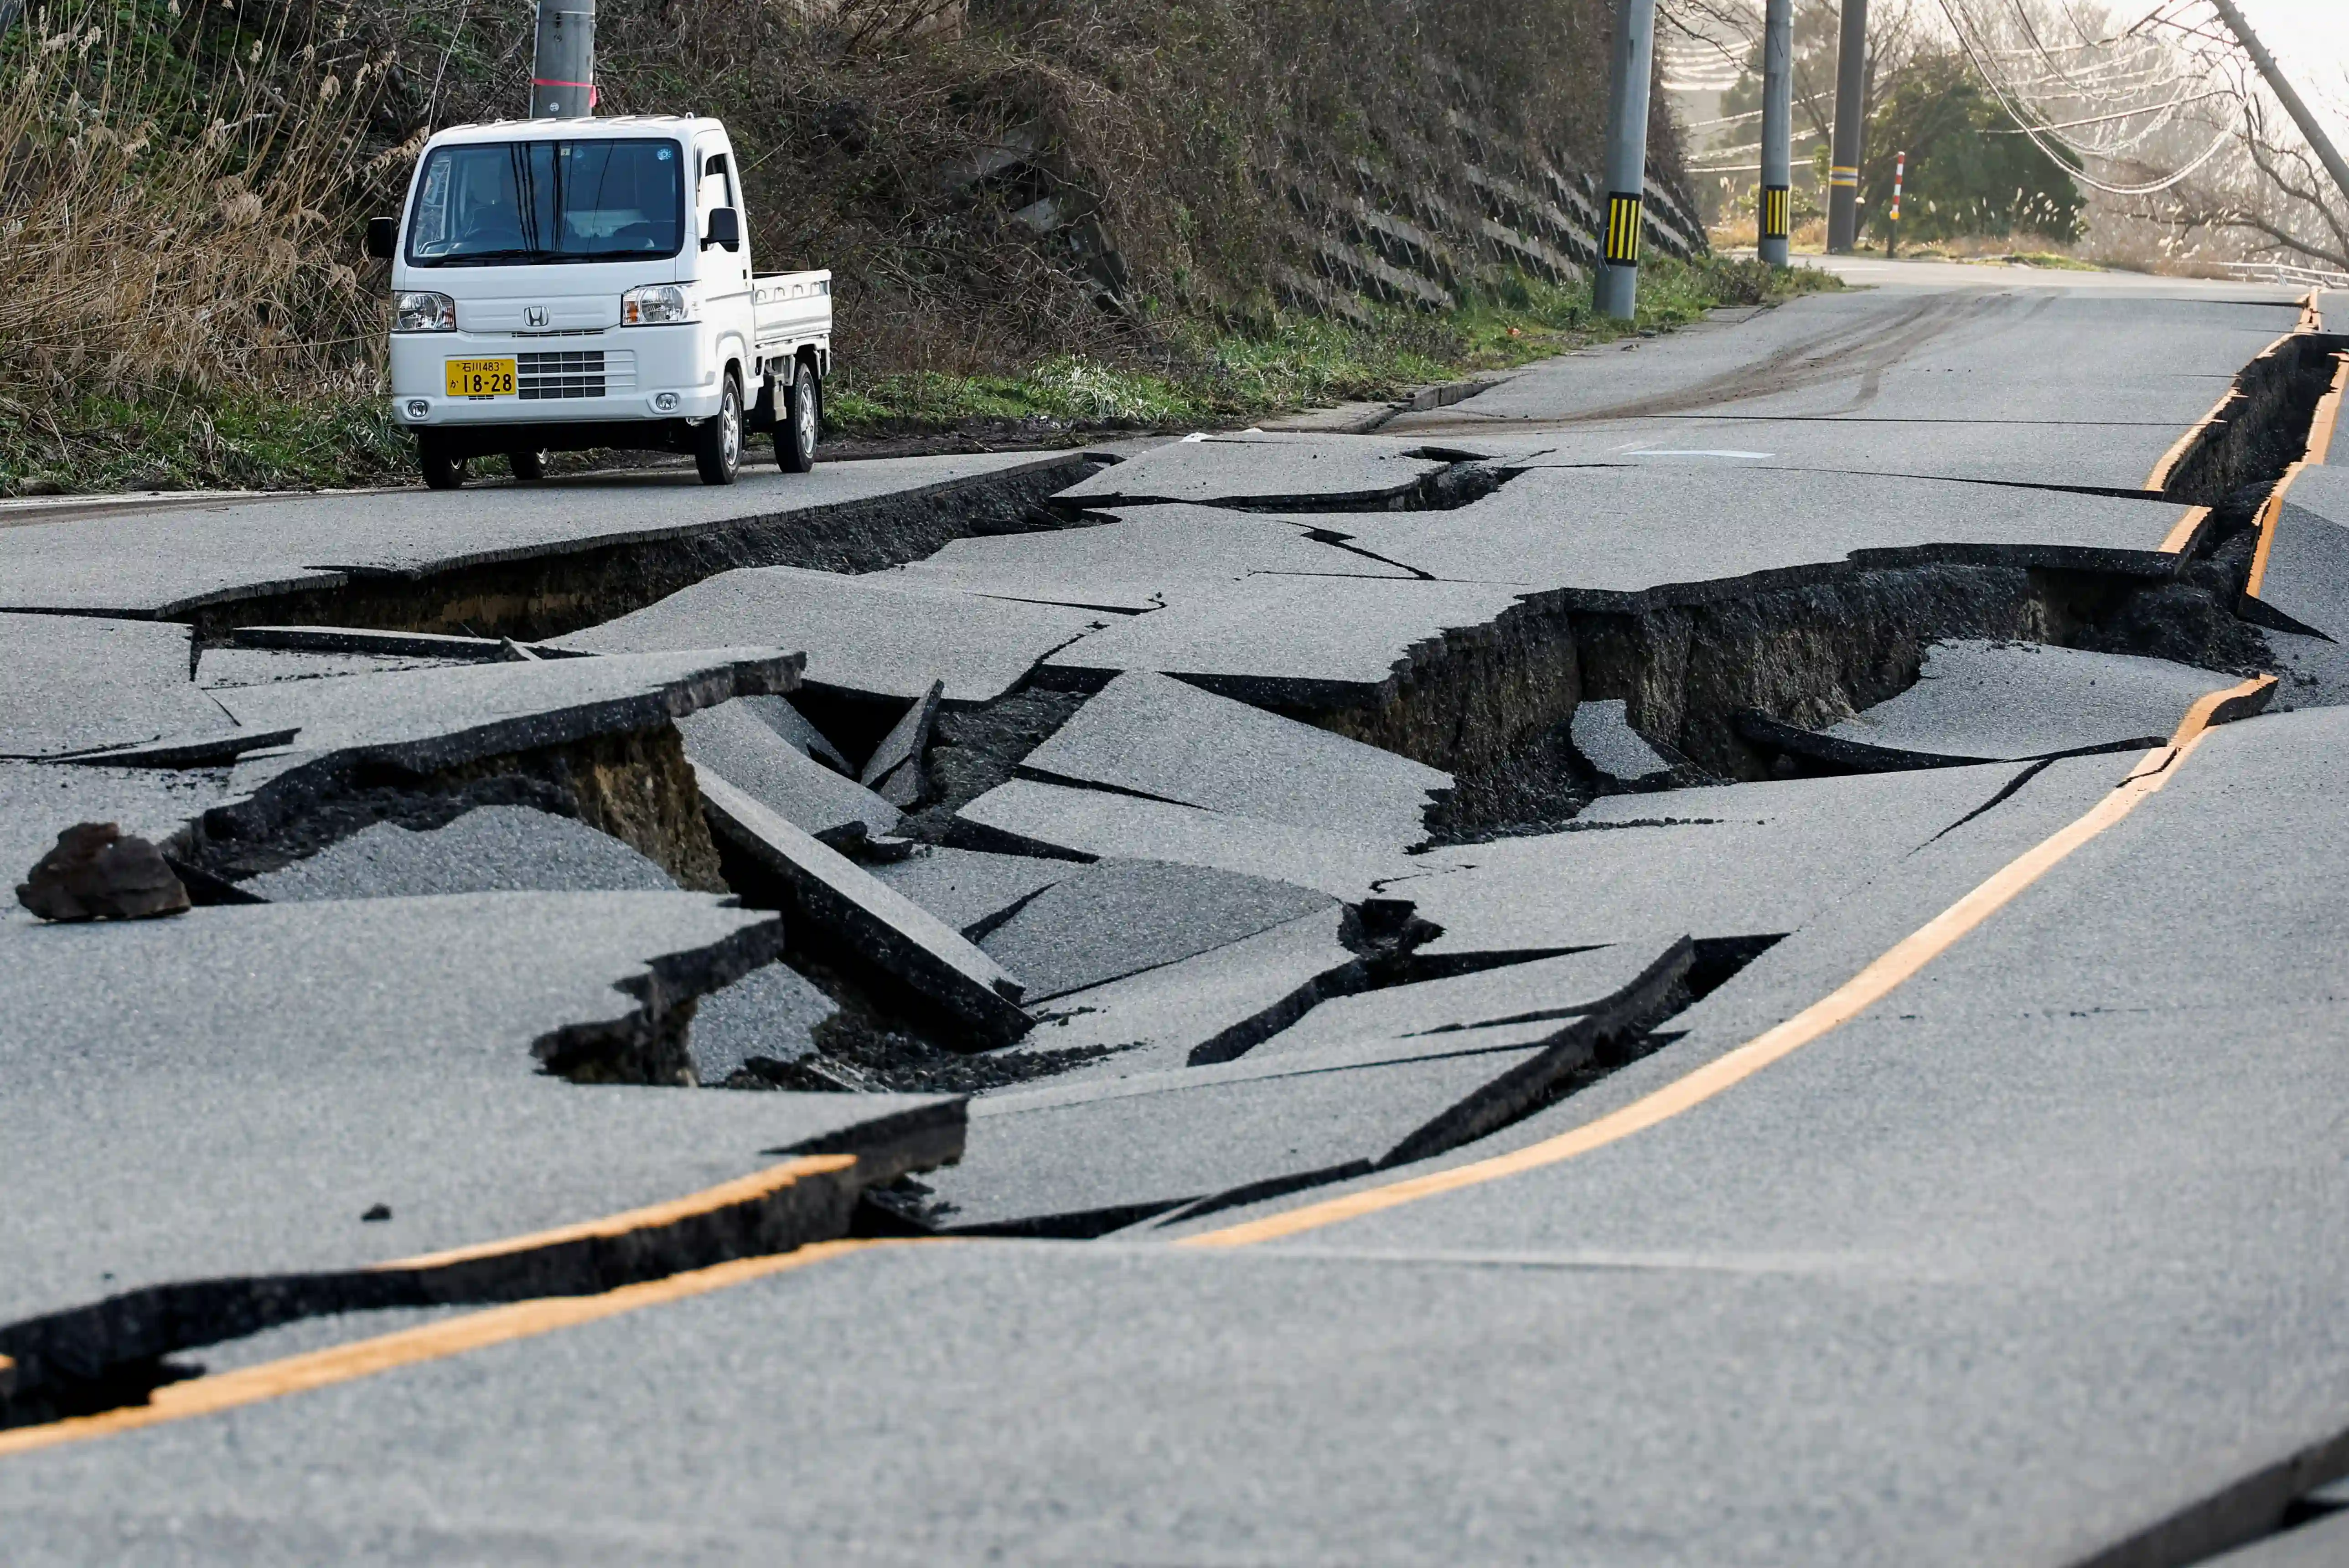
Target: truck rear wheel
pixel 528 467
pixel 803 412
pixel 717 443
pixel 443 469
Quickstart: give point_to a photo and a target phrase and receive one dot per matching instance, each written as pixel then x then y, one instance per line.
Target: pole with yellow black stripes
pixel 1616 291
pixel 1850 130
pixel 1776 196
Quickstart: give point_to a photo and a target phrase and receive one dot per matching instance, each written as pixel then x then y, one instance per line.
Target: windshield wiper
pixel 539 258
pixel 469 258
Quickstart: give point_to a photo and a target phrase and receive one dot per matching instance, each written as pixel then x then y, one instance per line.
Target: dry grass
pixel 166 207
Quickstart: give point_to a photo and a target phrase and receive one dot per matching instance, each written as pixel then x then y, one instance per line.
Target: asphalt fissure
pixel 548 594
pixel 1714 682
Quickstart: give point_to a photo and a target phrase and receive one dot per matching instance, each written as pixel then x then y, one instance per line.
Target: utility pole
pixel 1775 216
pixel 1850 127
pixel 2326 153
pixel 562 70
pixel 1616 290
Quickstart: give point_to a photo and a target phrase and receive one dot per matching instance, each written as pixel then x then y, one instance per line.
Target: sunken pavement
pixel 602 881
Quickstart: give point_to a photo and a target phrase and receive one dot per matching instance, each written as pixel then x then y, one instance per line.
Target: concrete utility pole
pixel 1850 128
pixel 1616 292
pixel 1775 216
pixel 2326 153
pixel 563 73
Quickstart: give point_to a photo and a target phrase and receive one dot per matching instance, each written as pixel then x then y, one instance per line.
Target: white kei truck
pixel 561 284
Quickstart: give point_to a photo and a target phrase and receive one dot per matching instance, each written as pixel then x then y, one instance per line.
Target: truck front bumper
pixel 657 375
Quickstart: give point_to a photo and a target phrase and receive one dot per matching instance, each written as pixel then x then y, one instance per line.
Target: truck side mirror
pixel 383 238
pixel 725 229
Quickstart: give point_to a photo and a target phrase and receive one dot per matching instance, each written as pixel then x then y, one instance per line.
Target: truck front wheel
pixel 717 442
pixel 795 431
pixel 443 469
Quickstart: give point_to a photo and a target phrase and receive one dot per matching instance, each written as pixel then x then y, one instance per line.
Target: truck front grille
pixel 576 374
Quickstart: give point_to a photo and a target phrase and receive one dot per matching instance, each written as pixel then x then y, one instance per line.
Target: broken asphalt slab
pixel 770 1015
pixel 1586 533
pixel 1100 824
pixel 2306 570
pixel 74 684
pixel 490 849
pixel 1147 734
pixel 1627 981
pixel 894 771
pixel 1113 918
pixel 1299 643
pixel 436 719
pixel 1995 701
pixel 743 747
pixel 1131 562
pixel 1265 470
pixel 834 902
pixel 169 563
pixel 186 1138
pixel 1084 1158
pixel 971 890
pixel 787 721
pixel 1603 737
pixel 874 636
pixel 1210 1008
pixel 318 760
pixel 1729 861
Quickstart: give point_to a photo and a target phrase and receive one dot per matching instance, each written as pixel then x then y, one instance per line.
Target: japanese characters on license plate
pixel 480 378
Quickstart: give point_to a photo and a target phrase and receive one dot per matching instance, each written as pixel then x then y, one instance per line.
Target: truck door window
pixel 527 202
pixel 717 183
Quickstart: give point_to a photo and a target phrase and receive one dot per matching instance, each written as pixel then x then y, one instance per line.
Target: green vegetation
pixel 1297 361
pixel 244 441
pixel 1970 169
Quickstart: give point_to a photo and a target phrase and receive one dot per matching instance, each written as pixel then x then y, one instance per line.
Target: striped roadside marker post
pixel 1892 220
pixel 1616 288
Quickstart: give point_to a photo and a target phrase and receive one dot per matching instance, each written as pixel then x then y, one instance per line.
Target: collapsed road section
pixel 1253 815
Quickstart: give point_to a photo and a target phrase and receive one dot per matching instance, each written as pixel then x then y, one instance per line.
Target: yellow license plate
pixel 480 378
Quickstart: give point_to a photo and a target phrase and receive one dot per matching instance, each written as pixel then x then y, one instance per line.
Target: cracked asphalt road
pixel 1625 1012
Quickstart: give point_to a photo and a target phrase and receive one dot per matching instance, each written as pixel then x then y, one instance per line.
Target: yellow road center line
pixel 2270 510
pixel 1839 1006
pixel 2189 528
pixel 745 1190
pixel 2328 414
pixel 410 1346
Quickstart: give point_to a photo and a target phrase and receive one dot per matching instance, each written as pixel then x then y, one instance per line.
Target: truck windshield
pixel 523 204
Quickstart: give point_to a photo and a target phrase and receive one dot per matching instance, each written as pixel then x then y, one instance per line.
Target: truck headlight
pixel 655 305
pixel 423 312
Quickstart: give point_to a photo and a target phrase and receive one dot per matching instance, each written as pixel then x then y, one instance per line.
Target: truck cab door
pixel 723 272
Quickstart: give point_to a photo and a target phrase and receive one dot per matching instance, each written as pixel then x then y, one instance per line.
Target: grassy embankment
pixel 246 439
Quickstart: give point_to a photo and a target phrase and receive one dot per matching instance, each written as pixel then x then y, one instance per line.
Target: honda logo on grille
pixel 536 315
